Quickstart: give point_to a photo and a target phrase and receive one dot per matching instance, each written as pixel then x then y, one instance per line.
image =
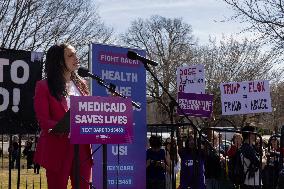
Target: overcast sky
pixel 205 16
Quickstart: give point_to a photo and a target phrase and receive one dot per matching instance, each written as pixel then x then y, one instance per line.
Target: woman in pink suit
pixel 52 100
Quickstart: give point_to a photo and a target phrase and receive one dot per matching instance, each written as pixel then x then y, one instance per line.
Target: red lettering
pixel 188 71
pixel 193 72
pixel 181 88
pixel 231 88
pixel 226 88
pixel 256 87
pixel 236 88
pixel 250 86
pixel 260 86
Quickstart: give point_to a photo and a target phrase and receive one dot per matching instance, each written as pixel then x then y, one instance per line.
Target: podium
pixel 63 127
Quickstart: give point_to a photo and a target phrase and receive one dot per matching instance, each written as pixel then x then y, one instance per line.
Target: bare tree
pixel 168 41
pixel 233 61
pixel 37 24
pixel 274 120
pixel 266 17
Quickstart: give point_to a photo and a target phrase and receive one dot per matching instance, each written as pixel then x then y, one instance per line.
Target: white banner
pixel 190 79
pixel 245 97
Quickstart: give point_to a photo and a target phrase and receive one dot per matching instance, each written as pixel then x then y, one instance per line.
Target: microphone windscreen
pixel 132 55
pixel 83 72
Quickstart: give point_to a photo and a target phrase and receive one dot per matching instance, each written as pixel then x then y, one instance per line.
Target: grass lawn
pixel 28 178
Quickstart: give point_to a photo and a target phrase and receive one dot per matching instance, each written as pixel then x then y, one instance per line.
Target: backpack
pixel 236 171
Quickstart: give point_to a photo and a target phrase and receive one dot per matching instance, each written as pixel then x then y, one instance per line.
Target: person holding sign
pixel 52 100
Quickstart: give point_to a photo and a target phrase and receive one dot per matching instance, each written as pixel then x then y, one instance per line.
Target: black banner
pixel 19 71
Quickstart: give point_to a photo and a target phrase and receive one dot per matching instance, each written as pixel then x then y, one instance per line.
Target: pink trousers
pixel 59 179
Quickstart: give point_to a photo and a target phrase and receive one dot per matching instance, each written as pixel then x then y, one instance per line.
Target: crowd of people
pixel 28 153
pixel 246 163
pixel 198 164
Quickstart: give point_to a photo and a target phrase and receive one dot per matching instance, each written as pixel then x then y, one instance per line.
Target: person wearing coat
pixel 52 100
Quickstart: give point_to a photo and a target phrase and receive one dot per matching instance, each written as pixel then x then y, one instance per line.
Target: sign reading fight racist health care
pixel 190 79
pixel 126 165
pixel 19 71
pixel 101 120
pixel 245 97
pixel 199 105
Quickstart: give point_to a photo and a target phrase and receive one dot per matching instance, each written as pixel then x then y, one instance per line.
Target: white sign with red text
pixel 245 97
pixel 190 79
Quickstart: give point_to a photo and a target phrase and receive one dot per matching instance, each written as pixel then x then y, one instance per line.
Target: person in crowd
pixel 222 144
pixel 258 147
pixel 192 174
pixel 51 101
pixel 28 152
pixel 235 167
pixel 156 164
pixel 217 143
pixel 250 159
pixel 271 170
pixel 14 150
pixel 236 144
pixel 33 149
pixel 275 145
pixel 215 164
pixel 172 160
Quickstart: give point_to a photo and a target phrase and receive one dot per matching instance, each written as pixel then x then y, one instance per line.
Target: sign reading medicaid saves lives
pixel 198 105
pixel 245 97
pixel 101 120
pixel 126 163
pixel 190 79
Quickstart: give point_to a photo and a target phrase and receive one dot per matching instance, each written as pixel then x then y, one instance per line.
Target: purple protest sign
pixel 126 163
pixel 101 120
pixel 199 105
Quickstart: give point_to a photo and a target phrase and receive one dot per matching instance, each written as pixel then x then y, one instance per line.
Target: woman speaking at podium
pixel 52 100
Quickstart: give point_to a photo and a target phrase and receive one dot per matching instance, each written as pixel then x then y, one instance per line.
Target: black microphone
pixel 134 56
pixel 84 72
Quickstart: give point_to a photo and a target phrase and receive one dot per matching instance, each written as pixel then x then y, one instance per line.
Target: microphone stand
pixel 173 101
pixel 172 150
pixel 111 89
pixel 172 104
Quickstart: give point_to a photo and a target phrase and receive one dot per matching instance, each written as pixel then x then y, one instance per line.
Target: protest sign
pixel 19 71
pixel 245 97
pixel 129 77
pixel 190 79
pixel 101 120
pixel 199 105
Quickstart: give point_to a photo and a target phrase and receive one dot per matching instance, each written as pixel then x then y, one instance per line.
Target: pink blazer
pixel 52 149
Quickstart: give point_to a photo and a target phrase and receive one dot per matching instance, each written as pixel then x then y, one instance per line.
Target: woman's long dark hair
pixel 55 68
